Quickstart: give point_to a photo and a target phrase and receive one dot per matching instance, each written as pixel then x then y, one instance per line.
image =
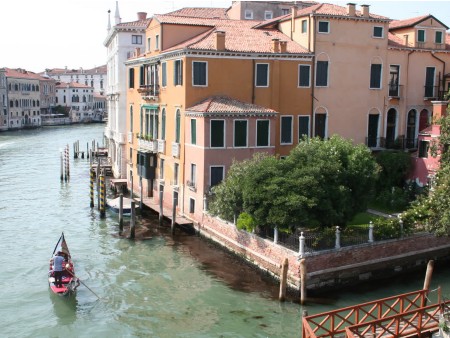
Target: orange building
pixel 206 88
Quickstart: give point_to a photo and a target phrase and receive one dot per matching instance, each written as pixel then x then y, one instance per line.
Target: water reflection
pixel 64 308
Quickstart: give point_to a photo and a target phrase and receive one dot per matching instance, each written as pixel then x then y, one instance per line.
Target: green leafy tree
pixel 322 182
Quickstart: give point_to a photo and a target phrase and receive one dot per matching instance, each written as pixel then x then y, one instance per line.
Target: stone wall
pixel 332 268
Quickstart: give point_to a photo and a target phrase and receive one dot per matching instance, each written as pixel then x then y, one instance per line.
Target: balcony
pixel 130 137
pixel 161 146
pixel 150 145
pixel 399 143
pixel 395 90
pixel 149 90
pixel 431 93
pixel 175 149
pixel 192 185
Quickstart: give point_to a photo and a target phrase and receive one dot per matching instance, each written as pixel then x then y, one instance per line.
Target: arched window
pixel 411 129
pixel 391 128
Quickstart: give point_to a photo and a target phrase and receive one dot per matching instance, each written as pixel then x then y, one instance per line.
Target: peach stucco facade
pixel 258 86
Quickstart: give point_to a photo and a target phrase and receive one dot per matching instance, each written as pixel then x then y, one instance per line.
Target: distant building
pixel 263 10
pixel 95 77
pixel 78 99
pixel 24 98
pixel 3 101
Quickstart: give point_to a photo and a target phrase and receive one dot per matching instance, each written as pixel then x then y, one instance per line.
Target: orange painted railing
pixel 329 324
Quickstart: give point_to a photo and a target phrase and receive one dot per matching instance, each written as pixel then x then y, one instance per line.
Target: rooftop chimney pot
pixel 142 15
pixel 365 10
pixel 351 9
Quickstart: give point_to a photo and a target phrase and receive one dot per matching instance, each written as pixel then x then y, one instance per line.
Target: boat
pixel 69 281
pixel 114 205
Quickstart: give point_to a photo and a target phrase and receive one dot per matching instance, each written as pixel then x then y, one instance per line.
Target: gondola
pixel 69 281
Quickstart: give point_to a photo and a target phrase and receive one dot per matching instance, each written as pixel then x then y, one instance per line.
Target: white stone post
pixel 275 235
pixel 338 238
pixel 301 250
pixel 370 232
pixel 401 225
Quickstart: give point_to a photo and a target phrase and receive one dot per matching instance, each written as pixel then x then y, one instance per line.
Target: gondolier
pixel 58 263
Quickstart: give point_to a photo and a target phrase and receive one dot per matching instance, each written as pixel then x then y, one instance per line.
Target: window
pixel 193 131
pixel 423 149
pixel 199 73
pixel 178 73
pixel 131 119
pixel 217 133
pixel 164 74
pixel 324 27
pixel 161 169
pixel 240 133
pixel 304 26
pixel 421 35
pixel 394 71
pixel 193 175
pixel 303 126
pixel 177 126
pixel 163 124
pixel 320 124
pixel 438 37
pixel 175 173
pixel 391 128
pixel 131 78
pixel 248 14
pixel 372 135
pixel 191 205
pixel 285 11
pixel 262 133
pixel 375 76
pixel 157 42
pixel 216 175
pixel 262 75
pixel 136 39
pixel 149 40
pixel 322 74
pixel 268 15
pixel 303 75
pixel 378 32
pixel 429 82
pixel 141 76
pixel 286 129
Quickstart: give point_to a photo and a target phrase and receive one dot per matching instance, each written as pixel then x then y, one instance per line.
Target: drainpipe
pixel 313 73
pixel 253 81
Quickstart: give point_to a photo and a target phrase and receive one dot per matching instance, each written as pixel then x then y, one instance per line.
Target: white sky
pixel 39 34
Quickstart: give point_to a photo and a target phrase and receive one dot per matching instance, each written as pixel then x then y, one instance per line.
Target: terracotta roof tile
pixel 134 24
pixel 395 41
pixel 72 85
pixel 407 22
pixel 201 12
pixel 23 74
pixel 240 36
pixel 225 104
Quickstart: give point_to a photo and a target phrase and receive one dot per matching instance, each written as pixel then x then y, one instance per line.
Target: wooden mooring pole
pixel 120 214
pixel 133 221
pixel 283 279
pixel 102 196
pixel 161 196
pixel 91 187
pixel 302 281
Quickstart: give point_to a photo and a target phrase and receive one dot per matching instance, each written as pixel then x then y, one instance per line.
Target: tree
pixel 321 182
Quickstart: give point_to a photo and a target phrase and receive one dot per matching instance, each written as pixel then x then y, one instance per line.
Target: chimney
pixel 137 52
pixel 351 9
pixel 439 109
pixel 220 40
pixel 275 45
pixel 142 16
pixel 283 46
pixel 293 16
pixel 365 10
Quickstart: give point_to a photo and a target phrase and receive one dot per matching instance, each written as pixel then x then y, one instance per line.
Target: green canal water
pixel 167 286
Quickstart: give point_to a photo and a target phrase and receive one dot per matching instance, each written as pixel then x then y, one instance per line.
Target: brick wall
pixel 331 268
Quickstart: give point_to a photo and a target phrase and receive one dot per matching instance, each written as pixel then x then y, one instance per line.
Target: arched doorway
pixel 424 119
pixel 411 133
pixel 391 128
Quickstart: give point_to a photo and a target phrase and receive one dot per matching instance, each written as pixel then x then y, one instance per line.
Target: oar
pixel 73 275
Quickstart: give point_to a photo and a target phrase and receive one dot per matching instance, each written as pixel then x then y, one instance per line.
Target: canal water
pixel 166 286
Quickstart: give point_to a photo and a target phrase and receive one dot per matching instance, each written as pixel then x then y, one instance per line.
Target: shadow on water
pixel 64 307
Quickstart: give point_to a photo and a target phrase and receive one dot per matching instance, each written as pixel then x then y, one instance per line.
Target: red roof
pixel 396 24
pixel 134 24
pixel 240 36
pixel 72 85
pixel 225 104
pixel 200 12
pixel 24 74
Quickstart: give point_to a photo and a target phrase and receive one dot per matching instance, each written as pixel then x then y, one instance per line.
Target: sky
pixel 40 34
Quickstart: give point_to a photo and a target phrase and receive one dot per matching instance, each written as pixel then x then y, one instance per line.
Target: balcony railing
pixel 161 146
pixel 399 143
pixel 431 93
pixel 395 90
pixel 149 90
pixel 175 149
pixel 150 145
pixel 192 185
pixel 130 137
